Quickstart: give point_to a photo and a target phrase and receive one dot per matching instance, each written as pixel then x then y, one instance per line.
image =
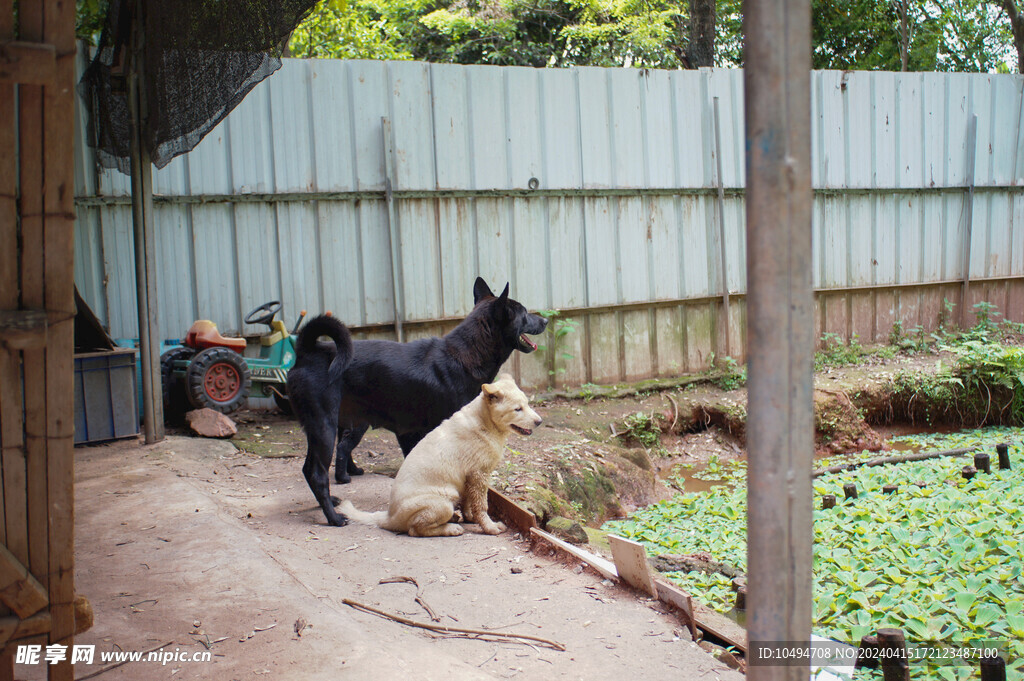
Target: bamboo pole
pixel 145 239
pixel 780 313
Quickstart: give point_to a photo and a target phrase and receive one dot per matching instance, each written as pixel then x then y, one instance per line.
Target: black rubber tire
pixel 219 379
pixel 176 401
pixel 282 401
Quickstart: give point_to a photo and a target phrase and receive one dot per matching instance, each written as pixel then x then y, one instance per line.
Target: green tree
pixel 1016 29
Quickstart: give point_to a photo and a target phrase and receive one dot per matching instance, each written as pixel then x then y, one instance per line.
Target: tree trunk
pixel 1017 26
pixel 701 49
pixel 904 34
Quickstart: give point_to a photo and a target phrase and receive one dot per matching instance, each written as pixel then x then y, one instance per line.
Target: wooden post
pixel 889 489
pixel 828 501
pixel 982 462
pixel 893 655
pixel 993 668
pixel 145 238
pixel 968 472
pixel 1003 452
pixel 37 216
pixel 780 314
pixel 867 653
pixel 741 598
pixel 850 491
pixel 13 529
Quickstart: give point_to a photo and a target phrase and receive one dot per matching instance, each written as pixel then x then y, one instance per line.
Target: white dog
pixel 452 463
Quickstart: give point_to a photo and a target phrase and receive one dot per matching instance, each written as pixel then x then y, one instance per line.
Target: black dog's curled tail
pixel 325 325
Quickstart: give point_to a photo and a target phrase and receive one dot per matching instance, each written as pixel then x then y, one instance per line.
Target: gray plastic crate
pixel 106 402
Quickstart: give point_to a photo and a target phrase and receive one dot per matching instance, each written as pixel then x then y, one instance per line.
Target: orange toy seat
pixel 203 334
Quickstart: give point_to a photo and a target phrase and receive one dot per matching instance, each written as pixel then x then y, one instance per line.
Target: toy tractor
pixel 209 370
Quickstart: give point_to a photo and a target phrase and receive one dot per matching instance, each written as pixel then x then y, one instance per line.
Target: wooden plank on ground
pixel 605 567
pixel 679 599
pixel 19 590
pixel 511 513
pixel 60 301
pixel 720 626
pixel 631 564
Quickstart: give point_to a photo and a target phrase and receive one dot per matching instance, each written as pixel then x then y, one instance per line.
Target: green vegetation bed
pixel 941 558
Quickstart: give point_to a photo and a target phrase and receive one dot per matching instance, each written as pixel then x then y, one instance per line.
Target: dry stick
pixel 675 413
pixel 121 664
pixel 454 630
pixel 419 594
pixel 918 456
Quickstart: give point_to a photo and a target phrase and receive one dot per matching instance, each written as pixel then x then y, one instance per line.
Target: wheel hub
pixel 222 382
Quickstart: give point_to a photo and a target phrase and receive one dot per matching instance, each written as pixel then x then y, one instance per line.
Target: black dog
pixel 407 388
pixel 315 386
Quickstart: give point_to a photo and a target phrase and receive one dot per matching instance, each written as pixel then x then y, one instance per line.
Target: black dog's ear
pixel 504 294
pixel 481 290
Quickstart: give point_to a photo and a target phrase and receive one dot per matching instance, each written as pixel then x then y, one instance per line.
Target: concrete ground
pixel 191 546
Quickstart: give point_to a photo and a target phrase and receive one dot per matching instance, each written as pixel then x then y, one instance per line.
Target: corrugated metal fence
pixel 593 191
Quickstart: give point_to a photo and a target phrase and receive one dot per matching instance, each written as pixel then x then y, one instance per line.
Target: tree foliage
pixel 937 35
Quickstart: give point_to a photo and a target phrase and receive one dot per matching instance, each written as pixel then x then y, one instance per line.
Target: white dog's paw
pixel 493 528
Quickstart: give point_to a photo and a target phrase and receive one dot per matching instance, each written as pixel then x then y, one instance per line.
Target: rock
pixel 566 529
pixel 210 423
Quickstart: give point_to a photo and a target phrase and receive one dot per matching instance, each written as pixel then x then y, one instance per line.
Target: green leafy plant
pixel 587 391
pixel 643 428
pixel 726 373
pixel 558 328
pixel 942 559
pixel 836 352
pixel 986 314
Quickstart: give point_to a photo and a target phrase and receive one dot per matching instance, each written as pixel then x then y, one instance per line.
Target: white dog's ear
pixel 492 391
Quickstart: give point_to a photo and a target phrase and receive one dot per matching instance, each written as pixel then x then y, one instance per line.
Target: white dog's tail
pixel 377 518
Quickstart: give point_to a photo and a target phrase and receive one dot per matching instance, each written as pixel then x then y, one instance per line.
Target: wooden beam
pixel 59 203
pixel 19 590
pixel 36 629
pixel 23 329
pixel 27 63
pixel 511 513
pixel 11 424
pixel 13 628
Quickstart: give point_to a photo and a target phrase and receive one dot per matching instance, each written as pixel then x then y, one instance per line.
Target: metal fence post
pixel 394 237
pixel 780 313
pixel 972 144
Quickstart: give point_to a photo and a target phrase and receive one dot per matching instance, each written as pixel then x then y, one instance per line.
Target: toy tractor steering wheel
pixel 268 309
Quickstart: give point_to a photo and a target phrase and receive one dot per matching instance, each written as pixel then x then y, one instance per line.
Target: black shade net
pixel 201 58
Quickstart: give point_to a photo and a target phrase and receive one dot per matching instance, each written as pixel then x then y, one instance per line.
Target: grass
pixel 941 559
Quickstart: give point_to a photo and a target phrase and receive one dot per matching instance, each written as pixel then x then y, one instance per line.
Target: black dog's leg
pixel 409 440
pixel 318 460
pixel 344 464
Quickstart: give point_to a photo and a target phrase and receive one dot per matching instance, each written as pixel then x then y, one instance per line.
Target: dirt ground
pixel 192 545
pixel 197 545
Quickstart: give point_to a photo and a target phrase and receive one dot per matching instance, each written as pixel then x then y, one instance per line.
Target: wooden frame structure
pixel 36 329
